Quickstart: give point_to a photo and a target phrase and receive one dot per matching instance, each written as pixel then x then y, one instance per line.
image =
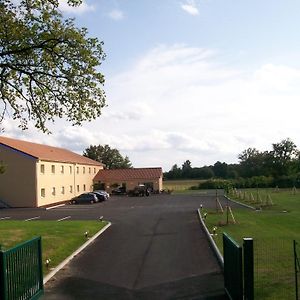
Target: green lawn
pixel 273 229
pixel 180 185
pixel 59 239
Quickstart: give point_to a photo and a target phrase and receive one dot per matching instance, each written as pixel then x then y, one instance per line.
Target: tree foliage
pixel 48 67
pixel 280 166
pixel 285 155
pixel 108 156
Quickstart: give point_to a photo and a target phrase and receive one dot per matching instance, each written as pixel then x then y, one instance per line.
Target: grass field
pixel 273 229
pixel 59 239
pixel 180 185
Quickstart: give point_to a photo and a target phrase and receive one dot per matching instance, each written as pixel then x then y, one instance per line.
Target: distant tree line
pixel 278 167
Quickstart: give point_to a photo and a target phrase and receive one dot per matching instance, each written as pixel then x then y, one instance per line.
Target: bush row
pixel 253 182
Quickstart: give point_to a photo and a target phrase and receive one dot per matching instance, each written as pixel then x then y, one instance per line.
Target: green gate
pixel 21 271
pixel 238 268
pixel 233 272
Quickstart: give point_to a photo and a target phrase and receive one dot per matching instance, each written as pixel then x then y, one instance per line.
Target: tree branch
pixel 32 47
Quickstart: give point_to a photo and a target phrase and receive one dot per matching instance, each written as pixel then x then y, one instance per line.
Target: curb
pixel 212 242
pixel 242 204
pixel 69 258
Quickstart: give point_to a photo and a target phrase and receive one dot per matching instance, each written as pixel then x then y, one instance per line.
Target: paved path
pixel 155 249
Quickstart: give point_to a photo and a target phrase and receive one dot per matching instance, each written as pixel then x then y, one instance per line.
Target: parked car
pixel 100 196
pixel 85 198
pixel 106 194
pixel 139 190
pixel 121 190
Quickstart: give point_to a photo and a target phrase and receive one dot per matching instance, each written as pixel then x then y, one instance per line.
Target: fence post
pixel 40 264
pixel 296 261
pixel 2 277
pixel 248 269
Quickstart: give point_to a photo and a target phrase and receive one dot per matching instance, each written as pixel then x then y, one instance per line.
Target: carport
pixel 129 178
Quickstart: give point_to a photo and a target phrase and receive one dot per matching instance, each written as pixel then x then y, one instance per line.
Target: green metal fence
pixel 274 277
pixel 238 268
pixel 21 274
pixel 233 264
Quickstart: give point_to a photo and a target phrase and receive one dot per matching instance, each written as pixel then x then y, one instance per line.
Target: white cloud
pixel 179 102
pixel 190 7
pixel 83 8
pixel 135 111
pixel 201 105
pixel 116 15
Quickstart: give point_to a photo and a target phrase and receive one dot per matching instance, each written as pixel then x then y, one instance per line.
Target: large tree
pixel 284 157
pixel 109 156
pixel 254 163
pixel 48 66
pixel 220 169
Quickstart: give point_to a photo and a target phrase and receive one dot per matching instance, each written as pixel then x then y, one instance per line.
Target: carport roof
pixel 47 153
pixel 129 174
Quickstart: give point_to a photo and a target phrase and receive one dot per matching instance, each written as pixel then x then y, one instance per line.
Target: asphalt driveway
pixel 155 249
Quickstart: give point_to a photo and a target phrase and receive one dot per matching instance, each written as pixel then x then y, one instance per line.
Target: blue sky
pixel 199 80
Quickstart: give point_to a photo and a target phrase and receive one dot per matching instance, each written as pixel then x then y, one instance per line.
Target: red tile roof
pixel 129 174
pixel 47 153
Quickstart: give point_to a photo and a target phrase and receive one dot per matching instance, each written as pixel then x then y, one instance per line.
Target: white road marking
pixel 56 206
pixel 34 218
pixel 65 218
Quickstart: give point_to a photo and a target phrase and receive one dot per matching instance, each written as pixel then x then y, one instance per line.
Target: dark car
pixel 121 190
pixel 139 190
pixel 85 198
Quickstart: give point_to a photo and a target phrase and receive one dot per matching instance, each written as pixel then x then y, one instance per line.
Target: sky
pixel 198 80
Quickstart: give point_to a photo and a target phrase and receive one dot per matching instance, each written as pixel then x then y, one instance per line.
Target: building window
pixel 94 170
pixel 83 169
pixel 77 187
pixel 62 189
pixel 43 193
pixel 70 168
pixel 71 189
pixel 43 169
pixel 53 191
pixel 77 170
pixel 62 169
pixel 89 170
pixel 84 187
pixel 53 169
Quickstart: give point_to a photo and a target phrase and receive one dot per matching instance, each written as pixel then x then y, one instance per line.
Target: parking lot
pixel 155 249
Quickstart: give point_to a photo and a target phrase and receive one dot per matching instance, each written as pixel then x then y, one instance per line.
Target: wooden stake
pixel 270 200
pixel 232 216
pixel 220 205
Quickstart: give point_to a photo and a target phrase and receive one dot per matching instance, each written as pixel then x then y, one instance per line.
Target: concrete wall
pixel 18 183
pixel 57 182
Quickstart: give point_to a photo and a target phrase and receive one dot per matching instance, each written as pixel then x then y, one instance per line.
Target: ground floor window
pixel 53 191
pixel 43 192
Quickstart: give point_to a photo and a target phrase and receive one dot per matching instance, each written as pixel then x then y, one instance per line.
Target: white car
pixel 104 193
